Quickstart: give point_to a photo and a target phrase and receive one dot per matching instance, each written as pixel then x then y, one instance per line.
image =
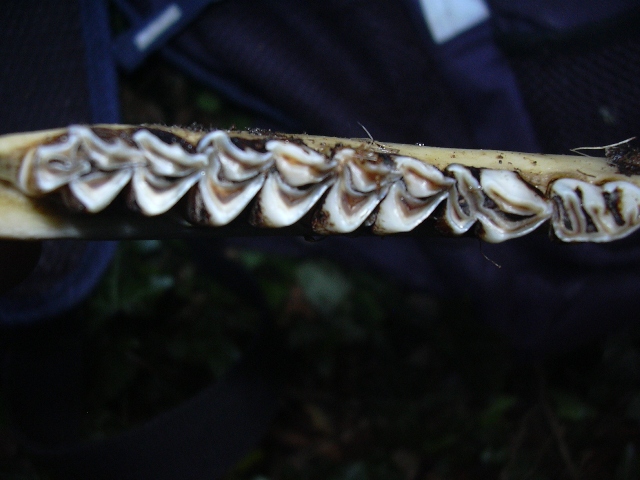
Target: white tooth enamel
pixel 98 189
pixel 56 165
pixel 422 180
pixel 237 164
pixel 222 200
pixel 168 160
pixel 628 208
pixel 411 201
pixel 582 213
pixel 512 196
pixel 281 205
pixel 344 209
pixel 503 204
pixel 355 195
pixel 299 166
pixel 390 188
pixel 368 172
pixel 155 195
pixel 112 155
pixel 459 213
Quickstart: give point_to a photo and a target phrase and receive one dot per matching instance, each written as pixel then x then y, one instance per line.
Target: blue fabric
pixel 198 67
pixel 553 16
pixel 479 74
pixel 100 68
pixel 162 24
pixel 67 271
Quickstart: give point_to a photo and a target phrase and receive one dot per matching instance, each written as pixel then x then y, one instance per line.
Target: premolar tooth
pixel 461 207
pixel 515 208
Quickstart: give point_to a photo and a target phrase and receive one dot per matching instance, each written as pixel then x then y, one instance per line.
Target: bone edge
pixel 26 218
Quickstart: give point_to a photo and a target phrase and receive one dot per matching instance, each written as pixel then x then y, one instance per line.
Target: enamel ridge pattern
pixel 281 182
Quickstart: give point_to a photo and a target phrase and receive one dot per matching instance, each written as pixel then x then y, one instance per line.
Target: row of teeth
pixel 339 193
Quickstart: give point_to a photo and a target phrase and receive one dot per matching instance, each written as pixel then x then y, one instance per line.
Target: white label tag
pixel 447 19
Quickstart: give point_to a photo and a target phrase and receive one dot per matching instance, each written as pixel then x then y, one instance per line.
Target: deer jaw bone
pixel 183 182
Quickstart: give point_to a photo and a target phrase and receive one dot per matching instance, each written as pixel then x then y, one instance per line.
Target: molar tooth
pixel 299 166
pixel 368 173
pixel 155 195
pixel 56 165
pixel 217 201
pixel 412 200
pixel 168 160
pixel 421 179
pixel 585 212
pixel 97 190
pixel 392 188
pixel 236 164
pixel 348 203
pixel 106 156
pixel 280 204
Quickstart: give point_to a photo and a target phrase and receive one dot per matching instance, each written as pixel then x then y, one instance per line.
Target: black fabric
pixel 326 65
pixel 581 89
pixel 201 438
pixel 42 67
